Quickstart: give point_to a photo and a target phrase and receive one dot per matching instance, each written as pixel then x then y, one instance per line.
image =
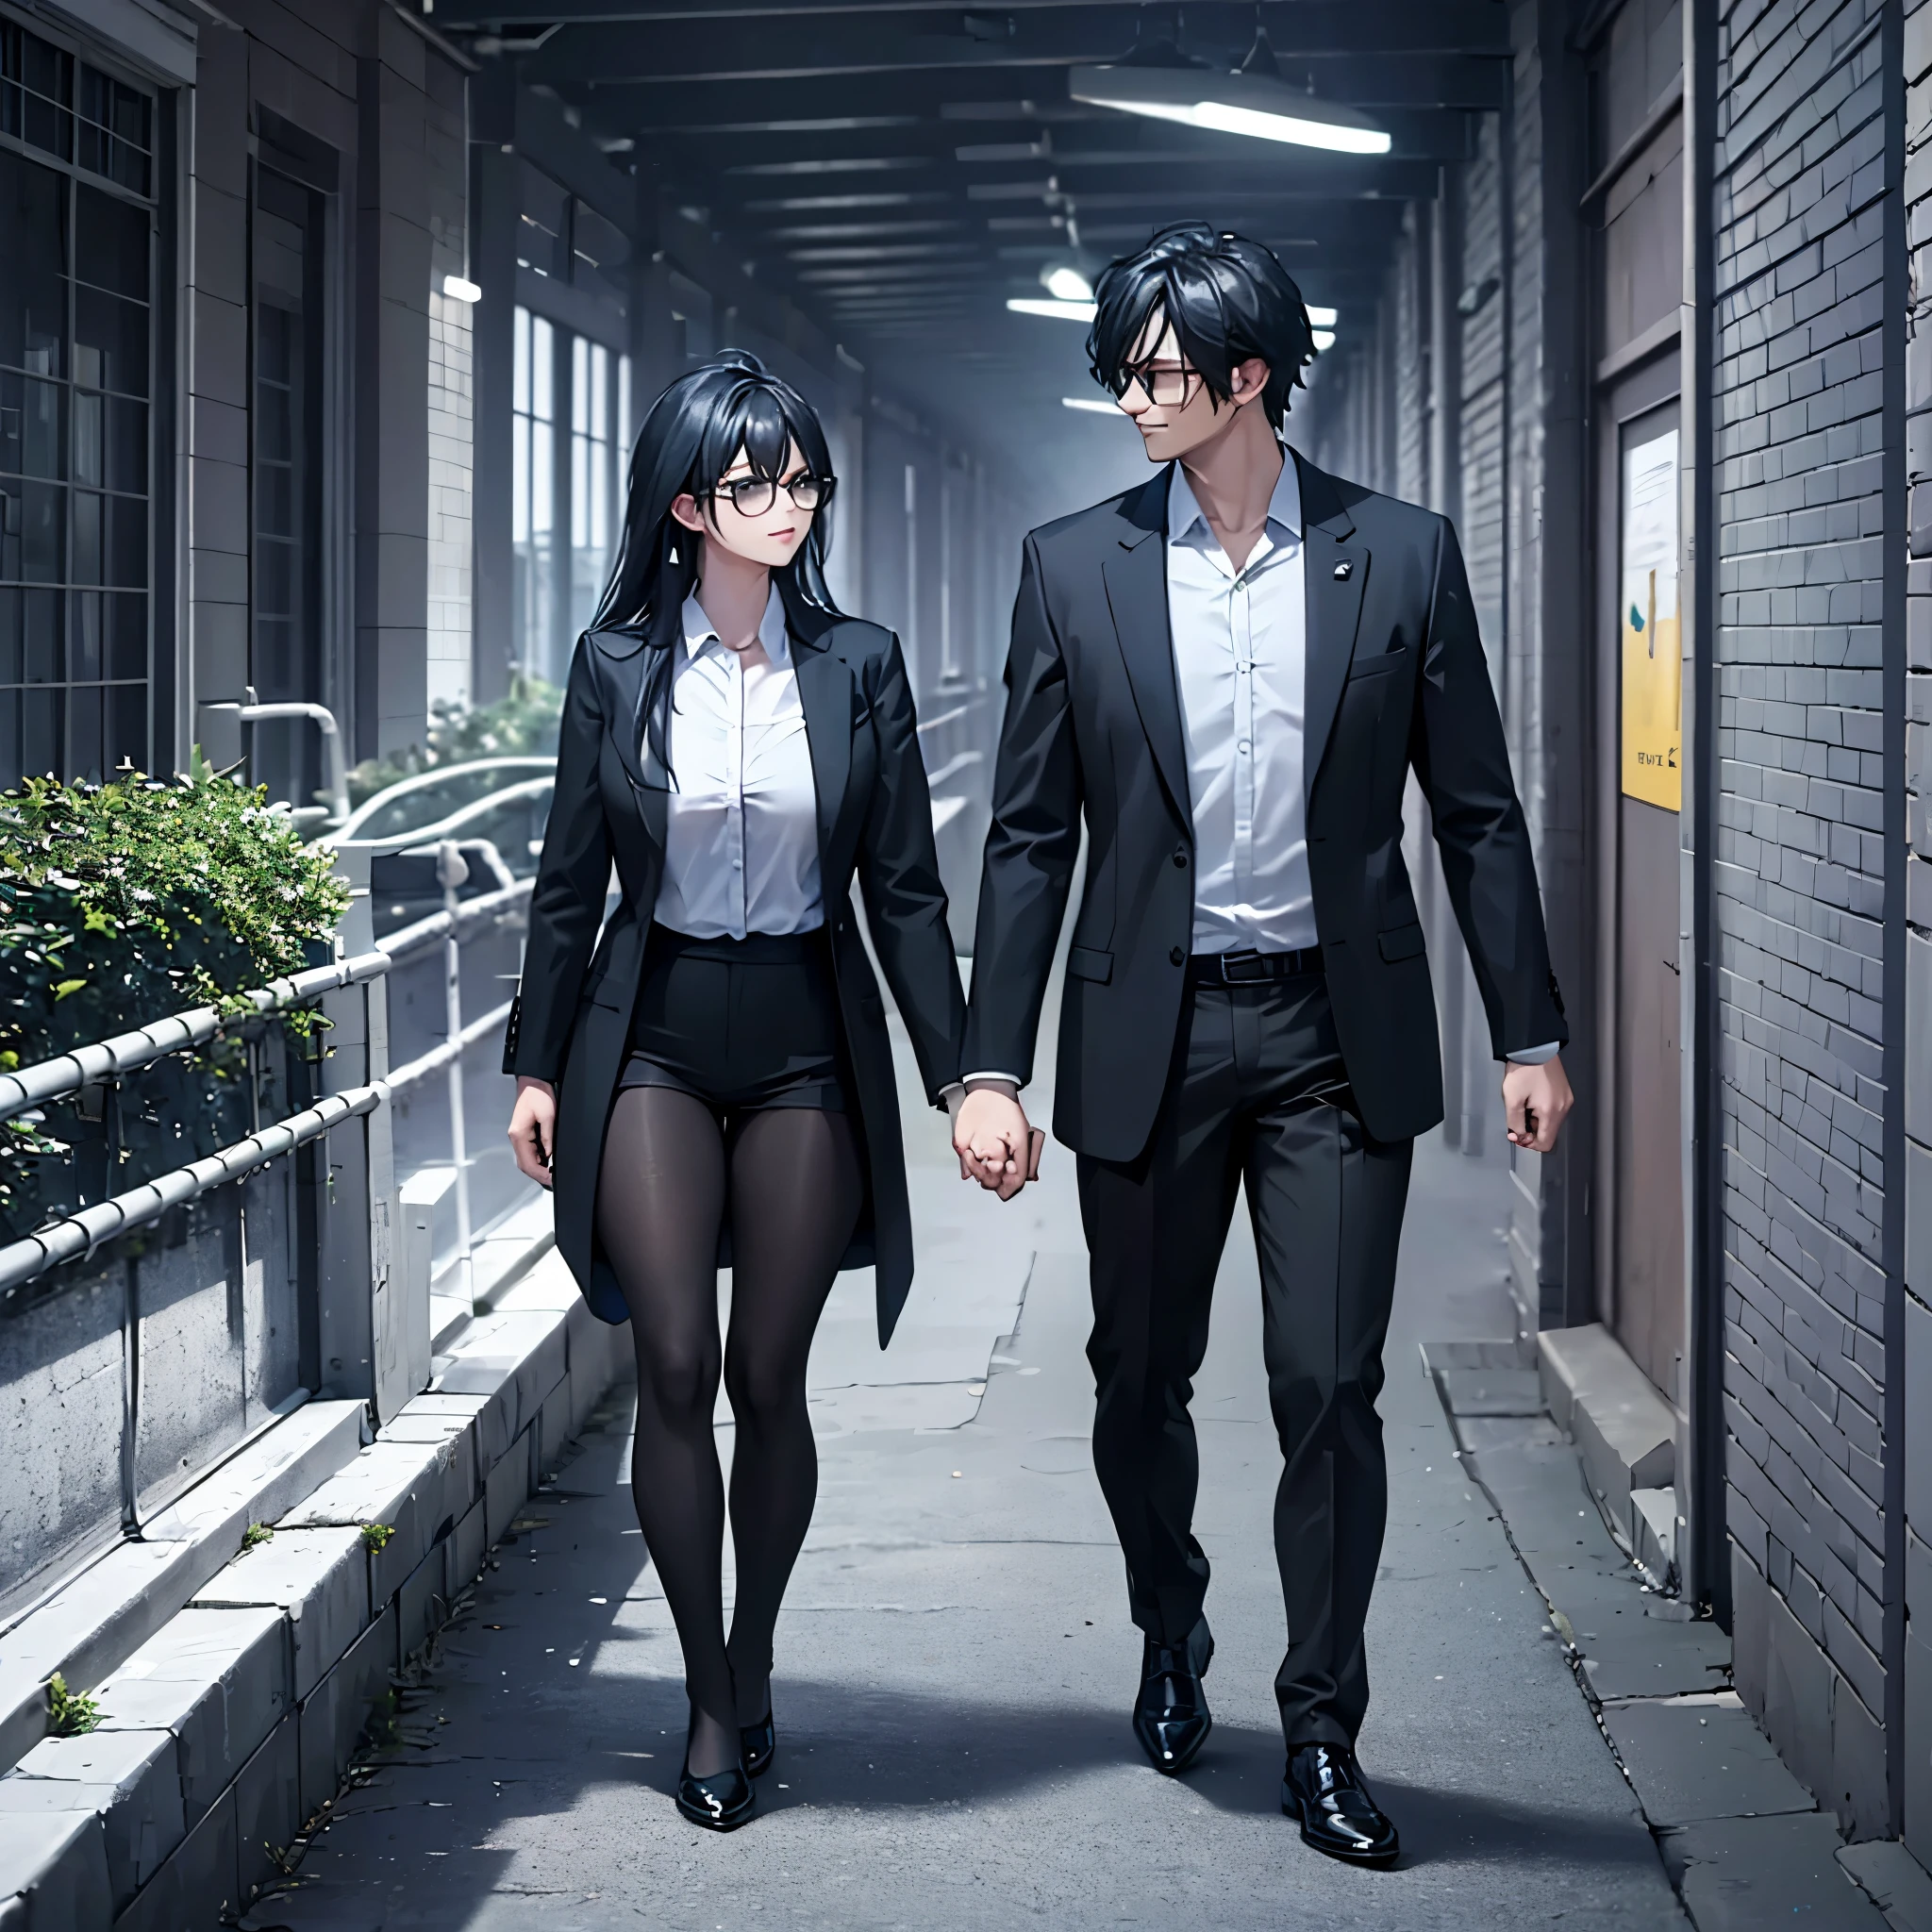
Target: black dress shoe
pixel 759 1743
pixel 719 1803
pixel 1323 1788
pixel 1170 1716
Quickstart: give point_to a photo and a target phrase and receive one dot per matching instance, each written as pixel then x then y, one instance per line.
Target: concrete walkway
pixel 955 1664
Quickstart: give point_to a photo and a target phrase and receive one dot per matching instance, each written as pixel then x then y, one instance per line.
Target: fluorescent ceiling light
pixel 1253 103
pixel 1324 338
pixel 1067 284
pixel 1041 305
pixel 1321 318
pixel 1094 405
pixel 461 290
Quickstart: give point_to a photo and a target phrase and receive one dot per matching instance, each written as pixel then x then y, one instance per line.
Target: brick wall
pixel 1798 185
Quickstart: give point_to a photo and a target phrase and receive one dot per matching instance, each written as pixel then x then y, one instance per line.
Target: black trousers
pixel 1257 1096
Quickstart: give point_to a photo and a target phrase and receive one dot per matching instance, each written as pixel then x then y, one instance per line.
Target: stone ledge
pixel 229 1722
pixel 1624 1429
pixel 104 1614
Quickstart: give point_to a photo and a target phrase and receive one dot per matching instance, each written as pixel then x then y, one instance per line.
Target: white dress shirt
pixel 1239 654
pixel 740 845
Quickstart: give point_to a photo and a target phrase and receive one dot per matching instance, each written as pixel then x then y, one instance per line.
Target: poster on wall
pixel 1653 673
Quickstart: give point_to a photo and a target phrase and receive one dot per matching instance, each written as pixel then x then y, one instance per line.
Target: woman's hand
pixel 533 1127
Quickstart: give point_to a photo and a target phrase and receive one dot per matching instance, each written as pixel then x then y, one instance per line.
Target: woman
pixel 714 1082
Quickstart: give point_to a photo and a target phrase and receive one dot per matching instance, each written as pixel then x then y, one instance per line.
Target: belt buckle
pixel 1245 968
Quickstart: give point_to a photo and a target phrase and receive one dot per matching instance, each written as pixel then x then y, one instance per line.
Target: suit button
pixel 1177 958
pixel 1180 856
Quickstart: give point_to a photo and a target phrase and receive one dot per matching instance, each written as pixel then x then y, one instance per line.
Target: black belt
pixel 1250 968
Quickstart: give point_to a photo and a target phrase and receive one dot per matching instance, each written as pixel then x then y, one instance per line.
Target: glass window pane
pixel 580 418
pixel 33 245
pixel 127 726
pixel 520 481
pixel 42 713
pixel 110 342
pixel 90 425
pixel 110 243
pixel 623 427
pixel 44 653
pixel 127 445
pixel 127 638
pixel 520 362
pixel 127 546
pixel 84 731
pixel 599 424
pixel 579 491
pixel 10 666
pixel 42 537
pixel 543 369
pixel 542 479
pixel 30 428
pixel 87 537
pixel 11 771
pixel 84 635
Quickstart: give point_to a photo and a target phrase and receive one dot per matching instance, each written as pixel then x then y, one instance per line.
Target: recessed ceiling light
pixel 1158 81
pixel 1041 305
pixel 1092 406
pixel 460 290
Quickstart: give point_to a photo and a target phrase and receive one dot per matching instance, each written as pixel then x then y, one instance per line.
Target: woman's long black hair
pixel 693 433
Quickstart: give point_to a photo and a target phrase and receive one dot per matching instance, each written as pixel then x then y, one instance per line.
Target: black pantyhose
pixel 794 1194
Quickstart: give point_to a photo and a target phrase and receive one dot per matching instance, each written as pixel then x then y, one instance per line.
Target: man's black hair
pixel 1228 299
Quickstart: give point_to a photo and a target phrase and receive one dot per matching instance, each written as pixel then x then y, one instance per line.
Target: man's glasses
pixel 752 496
pixel 1167 385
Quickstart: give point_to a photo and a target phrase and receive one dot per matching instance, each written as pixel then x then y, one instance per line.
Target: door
pixel 1644 1303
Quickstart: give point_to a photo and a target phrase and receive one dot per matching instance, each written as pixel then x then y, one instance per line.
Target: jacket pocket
pixel 1089 962
pixel 1404 942
pixel 1377 666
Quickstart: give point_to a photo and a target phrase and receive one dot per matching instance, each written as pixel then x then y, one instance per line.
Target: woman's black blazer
pixel 571 1021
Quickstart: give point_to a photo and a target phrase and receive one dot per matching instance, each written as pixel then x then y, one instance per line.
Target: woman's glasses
pixel 1170 385
pixel 752 496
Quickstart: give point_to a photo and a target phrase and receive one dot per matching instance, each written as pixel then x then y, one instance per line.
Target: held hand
pixel 533 1128
pixel 1535 1100
pixel 996 1145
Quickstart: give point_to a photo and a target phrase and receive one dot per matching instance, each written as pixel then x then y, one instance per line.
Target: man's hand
pixel 996 1145
pixel 1535 1100
pixel 533 1127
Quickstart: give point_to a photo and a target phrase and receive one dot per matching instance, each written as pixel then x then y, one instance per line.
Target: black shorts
pixel 740 1025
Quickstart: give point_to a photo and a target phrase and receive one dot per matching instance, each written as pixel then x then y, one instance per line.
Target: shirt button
pixel 1244 747
pixel 1177 958
pixel 1180 856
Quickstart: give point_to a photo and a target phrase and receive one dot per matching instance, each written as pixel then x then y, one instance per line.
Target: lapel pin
pixel 1343 571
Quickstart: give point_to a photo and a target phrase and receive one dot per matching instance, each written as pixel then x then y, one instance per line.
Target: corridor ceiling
pixel 901 169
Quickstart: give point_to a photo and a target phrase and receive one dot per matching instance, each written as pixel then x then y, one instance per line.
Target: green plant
pixel 120 903
pixel 255 1534
pixel 523 721
pixel 375 1536
pixel 70 1713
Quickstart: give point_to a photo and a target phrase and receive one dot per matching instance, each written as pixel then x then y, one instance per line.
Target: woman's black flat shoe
pixel 720 1803
pixel 759 1743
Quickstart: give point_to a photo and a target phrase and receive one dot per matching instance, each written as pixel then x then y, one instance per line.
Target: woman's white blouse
pixel 742 852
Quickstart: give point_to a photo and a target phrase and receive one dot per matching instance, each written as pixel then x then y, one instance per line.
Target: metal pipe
pixel 331 743
pixel 128 1053
pixel 425 1064
pixel 419 932
pixel 452 870
pixel 78 1235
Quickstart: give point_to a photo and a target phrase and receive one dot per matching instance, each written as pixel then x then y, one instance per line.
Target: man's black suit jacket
pixel 1396 677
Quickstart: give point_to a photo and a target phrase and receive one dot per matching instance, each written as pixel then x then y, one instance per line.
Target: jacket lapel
pixel 1136 578
pixel 1333 606
pixel 623 659
pixel 825 694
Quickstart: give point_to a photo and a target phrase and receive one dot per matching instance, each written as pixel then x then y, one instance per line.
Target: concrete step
pixel 233 1680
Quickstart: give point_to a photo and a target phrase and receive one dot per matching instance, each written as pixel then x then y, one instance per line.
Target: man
pixel 1228 673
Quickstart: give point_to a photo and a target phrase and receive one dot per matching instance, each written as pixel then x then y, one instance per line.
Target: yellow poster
pixel 1652 670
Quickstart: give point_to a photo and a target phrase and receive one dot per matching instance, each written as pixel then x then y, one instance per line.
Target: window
pixel 556 373
pixel 533 493
pixel 286 658
pixel 76 236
